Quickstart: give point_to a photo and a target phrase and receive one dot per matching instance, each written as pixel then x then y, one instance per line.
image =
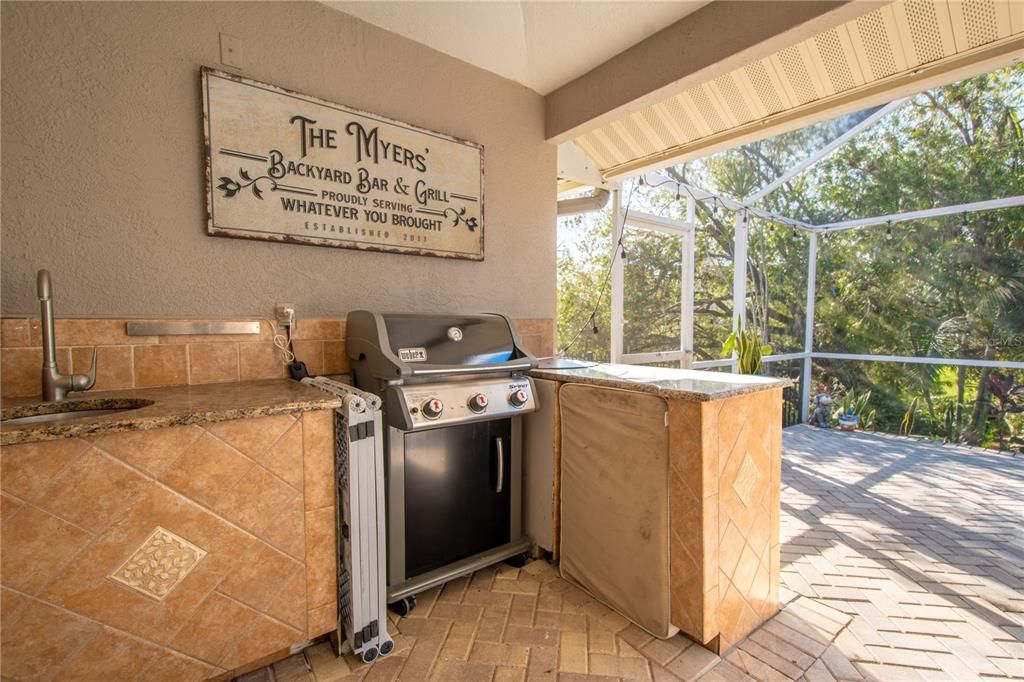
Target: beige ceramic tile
pixel 336 359
pixel 260 361
pixel 207 470
pixel 289 604
pixel 152 451
pixel 26 468
pixel 14 332
pixel 83 585
pixel 212 362
pixel 287 530
pixel 93 332
pixel 534 344
pixel 114 366
pixel 259 576
pixel 8 506
pixel 38 643
pixel 322 619
pixel 110 656
pixel 255 500
pixel 94 490
pixel 160 365
pixel 311 353
pixel 22 371
pixel 253 437
pixel 321 580
pixel 34 546
pixel 318 458
pixel 285 457
pixel 214 628
pixel 319 329
pixel 263 638
pixel 171 667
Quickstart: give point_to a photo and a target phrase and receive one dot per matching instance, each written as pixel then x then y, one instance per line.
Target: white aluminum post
pixel 973 207
pixel 686 302
pixel 739 277
pixel 825 151
pixel 812 277
pixel 617 278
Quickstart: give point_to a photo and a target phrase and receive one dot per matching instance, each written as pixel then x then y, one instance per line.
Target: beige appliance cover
pixel 615 500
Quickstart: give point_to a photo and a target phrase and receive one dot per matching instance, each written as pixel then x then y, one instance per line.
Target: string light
pixel 716 202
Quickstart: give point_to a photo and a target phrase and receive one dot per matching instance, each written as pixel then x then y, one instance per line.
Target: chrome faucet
pixel 55 384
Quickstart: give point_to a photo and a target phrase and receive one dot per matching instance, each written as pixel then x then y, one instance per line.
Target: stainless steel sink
pixel 67 410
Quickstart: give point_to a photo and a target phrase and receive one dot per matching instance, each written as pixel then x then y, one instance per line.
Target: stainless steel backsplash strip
pixel 191 327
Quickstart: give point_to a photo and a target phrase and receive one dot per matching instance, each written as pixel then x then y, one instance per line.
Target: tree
pixel 950 286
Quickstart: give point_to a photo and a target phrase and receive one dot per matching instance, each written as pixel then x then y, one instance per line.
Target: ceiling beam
pixel 712 41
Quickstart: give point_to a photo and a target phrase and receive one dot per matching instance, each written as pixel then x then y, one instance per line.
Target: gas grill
pixel 454 391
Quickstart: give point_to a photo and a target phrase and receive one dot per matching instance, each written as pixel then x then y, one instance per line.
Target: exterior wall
pixel 102 151
pixel 248 572
pixel 146 361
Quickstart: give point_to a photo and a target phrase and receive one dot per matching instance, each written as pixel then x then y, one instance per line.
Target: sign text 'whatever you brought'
pixel 288 167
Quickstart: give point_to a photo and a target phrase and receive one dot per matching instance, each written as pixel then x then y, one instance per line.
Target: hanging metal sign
pixel 292 168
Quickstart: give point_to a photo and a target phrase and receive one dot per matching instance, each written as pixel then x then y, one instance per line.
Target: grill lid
pixel 396 344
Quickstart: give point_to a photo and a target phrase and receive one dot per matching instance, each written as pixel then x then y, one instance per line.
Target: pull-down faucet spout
pixel 55 384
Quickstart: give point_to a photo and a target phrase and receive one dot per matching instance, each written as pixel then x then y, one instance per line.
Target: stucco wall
pixel 103 178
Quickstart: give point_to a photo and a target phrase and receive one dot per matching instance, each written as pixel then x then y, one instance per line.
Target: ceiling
pixel 883 54
pixel 542 45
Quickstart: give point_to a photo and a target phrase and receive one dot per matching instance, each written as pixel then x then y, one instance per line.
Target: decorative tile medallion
pixel 156 567
pixel 747 479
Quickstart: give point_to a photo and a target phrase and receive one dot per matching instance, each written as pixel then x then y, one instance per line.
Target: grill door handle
pixel 500 447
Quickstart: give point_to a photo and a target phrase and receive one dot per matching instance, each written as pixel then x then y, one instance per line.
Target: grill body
pixel 454 391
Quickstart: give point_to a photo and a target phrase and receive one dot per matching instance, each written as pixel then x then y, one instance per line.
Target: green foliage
pixel 945 287
pixel 748 348
pixel 854 404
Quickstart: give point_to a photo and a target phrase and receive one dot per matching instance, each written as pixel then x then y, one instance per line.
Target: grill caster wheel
pixel 370 654
pixel 386 647
pixel 404 606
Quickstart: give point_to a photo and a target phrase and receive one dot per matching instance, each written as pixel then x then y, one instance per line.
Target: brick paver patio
pixel 902 560
pixel 920 544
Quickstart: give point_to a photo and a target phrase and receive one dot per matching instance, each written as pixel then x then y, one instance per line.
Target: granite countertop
pixel 679 384
pixel 170 406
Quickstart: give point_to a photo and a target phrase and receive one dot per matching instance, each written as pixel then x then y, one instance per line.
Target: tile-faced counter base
pixel 174 553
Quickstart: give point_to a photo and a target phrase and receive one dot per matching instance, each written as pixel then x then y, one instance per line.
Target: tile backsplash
pixel 146 361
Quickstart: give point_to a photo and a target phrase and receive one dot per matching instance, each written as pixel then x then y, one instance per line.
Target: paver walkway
pixel 919 543
pixel 901 560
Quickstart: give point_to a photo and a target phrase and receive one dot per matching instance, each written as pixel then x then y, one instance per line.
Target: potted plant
pixel 851 409
pixel 749 350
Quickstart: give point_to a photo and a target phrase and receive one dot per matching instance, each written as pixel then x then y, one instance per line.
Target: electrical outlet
pixel 285 314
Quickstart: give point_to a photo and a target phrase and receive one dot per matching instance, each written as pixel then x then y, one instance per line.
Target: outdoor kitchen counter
pixel 673 384
pixel 192 538
pixel 678 471
pixel 170 406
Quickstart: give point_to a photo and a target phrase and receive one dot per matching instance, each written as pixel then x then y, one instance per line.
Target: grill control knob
pixel 432 408
pixel 518 398
pixel 478 403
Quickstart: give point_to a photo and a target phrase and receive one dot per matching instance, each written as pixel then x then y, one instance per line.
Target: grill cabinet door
pixel 452 507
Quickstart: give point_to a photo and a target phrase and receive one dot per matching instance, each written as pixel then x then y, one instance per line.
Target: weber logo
pixel 412 354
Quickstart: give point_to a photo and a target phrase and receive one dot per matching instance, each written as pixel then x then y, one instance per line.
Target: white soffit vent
pixel 894 46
